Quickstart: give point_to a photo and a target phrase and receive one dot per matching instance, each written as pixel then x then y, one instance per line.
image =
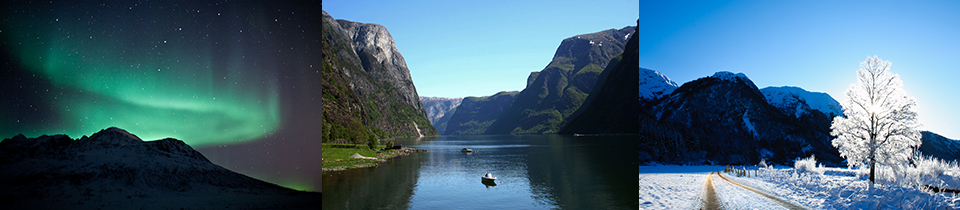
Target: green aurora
pixel 158 80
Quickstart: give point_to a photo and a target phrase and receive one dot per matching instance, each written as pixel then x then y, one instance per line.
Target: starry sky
pixel 815 45
pixel 235 80
pixel 496 44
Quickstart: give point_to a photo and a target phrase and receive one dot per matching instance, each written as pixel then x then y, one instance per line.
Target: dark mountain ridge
pixel 935 145
pixel 115 168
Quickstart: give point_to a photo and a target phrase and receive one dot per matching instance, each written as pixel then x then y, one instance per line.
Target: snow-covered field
pixel 682 187
pixel 672 187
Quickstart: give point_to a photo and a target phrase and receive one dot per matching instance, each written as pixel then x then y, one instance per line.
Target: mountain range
pixel 439 110
pixel 367 89
pixel 115 169
pixel 551 95
pixel 726 119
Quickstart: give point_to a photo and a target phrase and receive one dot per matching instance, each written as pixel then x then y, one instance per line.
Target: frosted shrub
pixel 934 167
pixel 808 165
pixel 934 171
pixel 763 163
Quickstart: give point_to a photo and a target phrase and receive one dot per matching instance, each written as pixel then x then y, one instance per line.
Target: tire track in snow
pixel 710 199
pixel 782 202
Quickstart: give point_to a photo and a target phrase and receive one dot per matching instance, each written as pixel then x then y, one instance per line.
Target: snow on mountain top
pixel 654 85
pixel 788 97
pixel 729 76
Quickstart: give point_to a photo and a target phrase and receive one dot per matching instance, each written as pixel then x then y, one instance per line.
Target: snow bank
pixel 839 188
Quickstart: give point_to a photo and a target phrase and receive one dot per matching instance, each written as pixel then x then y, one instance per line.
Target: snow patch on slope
pixel 800 100
pixel 749 125
pixel 654 85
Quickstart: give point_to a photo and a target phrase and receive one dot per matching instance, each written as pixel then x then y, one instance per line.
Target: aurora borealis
pixel 235 80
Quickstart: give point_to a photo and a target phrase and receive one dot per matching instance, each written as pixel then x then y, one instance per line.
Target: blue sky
pixel 478 48
pixel 816 45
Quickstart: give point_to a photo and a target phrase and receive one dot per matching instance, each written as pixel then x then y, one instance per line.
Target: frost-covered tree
pixel 880 125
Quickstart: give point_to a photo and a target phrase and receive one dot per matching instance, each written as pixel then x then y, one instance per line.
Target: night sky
pixel 238 81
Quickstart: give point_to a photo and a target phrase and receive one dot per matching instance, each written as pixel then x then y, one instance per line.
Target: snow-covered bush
pixel 933 167
pixel 808 165
pixel 763 163
pixel 931 171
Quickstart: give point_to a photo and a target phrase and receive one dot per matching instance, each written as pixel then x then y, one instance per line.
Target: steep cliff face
pixel 559 89
pixel 476 114
pixel 367 88
pixel 380 58
pixel 612 106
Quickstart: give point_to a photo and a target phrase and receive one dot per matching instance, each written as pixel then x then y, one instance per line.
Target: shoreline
pixel 383 157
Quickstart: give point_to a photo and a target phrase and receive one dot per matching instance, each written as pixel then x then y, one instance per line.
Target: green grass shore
pixel 336 157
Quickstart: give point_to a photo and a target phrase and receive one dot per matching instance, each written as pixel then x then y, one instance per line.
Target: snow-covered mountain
pixel 725 119
pixel 796 101
pixel 654 85
pixel 114 169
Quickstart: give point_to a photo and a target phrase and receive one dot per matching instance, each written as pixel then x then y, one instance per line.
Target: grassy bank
pixel 337 156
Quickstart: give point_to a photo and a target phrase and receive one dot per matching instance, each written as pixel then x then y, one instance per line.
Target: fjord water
pixel 533 172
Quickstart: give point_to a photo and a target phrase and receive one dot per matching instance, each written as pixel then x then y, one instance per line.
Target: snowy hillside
pixel 114 169
pixel 654 85
pixel 796 101
pixel 725 119
pixel 938 146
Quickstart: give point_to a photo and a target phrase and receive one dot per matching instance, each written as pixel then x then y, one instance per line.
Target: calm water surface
pixel 533 172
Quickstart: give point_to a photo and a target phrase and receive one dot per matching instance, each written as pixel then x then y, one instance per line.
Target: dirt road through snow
pixel 710 196
pixel 775 199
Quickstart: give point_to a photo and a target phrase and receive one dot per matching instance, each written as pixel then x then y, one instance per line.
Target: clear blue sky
pixel 816 45
pixel 478 48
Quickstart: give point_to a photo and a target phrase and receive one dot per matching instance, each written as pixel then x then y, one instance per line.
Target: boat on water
pixel 488 177
pixel 466 150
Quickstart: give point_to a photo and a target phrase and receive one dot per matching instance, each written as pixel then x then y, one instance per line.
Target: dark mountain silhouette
pixel 116 170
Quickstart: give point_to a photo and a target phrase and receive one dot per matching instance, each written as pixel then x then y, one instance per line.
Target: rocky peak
pixel 731 77
pixel 369 82
pixel 380 58
pixel 597 48
pixel 110 137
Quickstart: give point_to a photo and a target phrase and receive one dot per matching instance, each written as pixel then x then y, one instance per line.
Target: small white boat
pixel 466 150
pixel 488 177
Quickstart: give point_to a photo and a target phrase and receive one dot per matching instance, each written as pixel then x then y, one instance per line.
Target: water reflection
pixel 546 172
pixel 388 186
